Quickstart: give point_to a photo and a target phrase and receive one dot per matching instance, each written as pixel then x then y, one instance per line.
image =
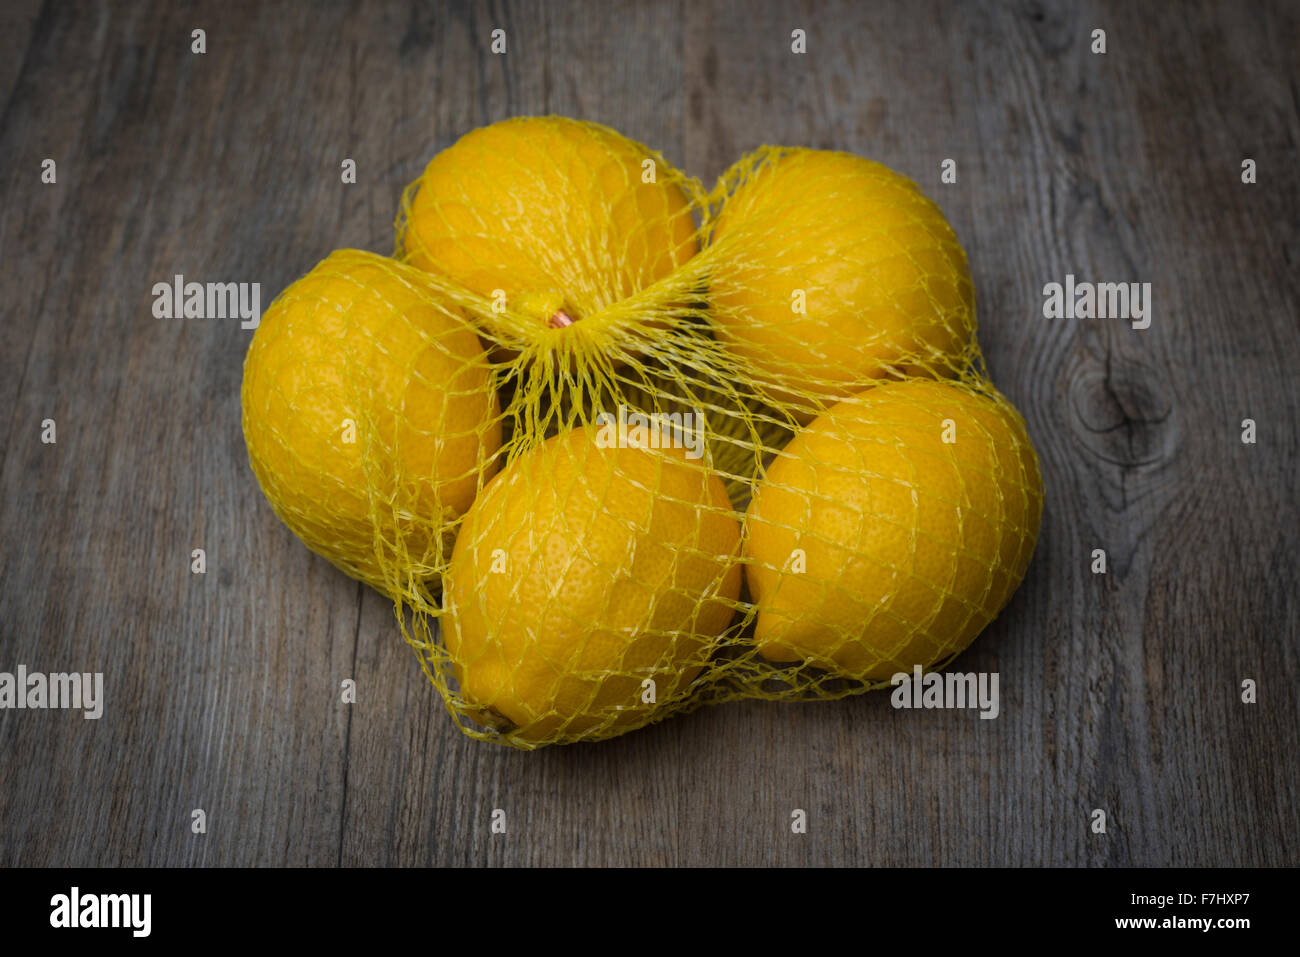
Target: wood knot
pixel 1123 414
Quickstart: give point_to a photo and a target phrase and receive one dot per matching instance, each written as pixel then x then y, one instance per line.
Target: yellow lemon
pixel 369 413
pixel 588 584
pixel 550 218
pixel 836 271
pixel 892 529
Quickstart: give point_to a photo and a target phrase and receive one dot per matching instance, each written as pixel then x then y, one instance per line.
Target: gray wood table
pixel 1120 692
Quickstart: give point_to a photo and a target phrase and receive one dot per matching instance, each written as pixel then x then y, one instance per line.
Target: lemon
pixel 369 413
pixel 833 270
pixel 875 544
pixel 548 217
pixel 581 572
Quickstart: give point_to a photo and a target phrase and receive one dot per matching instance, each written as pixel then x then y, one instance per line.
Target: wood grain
pixel 1119 691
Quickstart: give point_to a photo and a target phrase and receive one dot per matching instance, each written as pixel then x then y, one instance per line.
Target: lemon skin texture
pixel 581 572
pixel 553 213
pixel 885 285
pixel 874 545
pixel 369 414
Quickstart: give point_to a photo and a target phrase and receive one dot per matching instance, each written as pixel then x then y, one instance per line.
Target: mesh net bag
pixel 618 446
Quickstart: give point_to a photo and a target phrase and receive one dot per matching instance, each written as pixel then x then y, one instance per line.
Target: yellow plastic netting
pixel 618 446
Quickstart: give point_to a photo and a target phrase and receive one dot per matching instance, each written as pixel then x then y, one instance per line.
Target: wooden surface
pixel 1119 692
